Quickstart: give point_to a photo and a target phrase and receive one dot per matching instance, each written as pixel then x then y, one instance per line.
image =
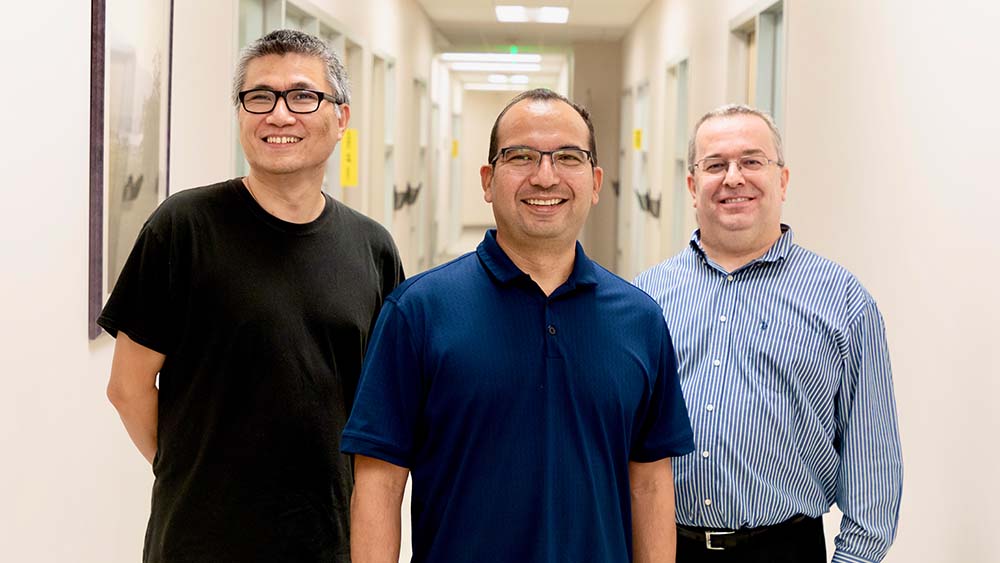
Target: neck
pixel 732 251
pixel 295 199
pixel 548 265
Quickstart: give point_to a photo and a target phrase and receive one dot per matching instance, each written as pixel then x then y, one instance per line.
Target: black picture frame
pixel 101 276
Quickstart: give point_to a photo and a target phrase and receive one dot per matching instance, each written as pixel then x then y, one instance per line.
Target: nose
pixel 734 176
pixel 280 114
pixel 545 175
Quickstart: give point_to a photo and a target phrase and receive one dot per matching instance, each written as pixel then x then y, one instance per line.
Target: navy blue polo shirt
pixel 517 413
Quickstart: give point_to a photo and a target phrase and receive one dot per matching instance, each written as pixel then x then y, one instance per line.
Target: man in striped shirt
pixel 784 366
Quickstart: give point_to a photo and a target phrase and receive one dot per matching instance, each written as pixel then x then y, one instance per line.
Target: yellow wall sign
pixel 454 148
pixel 349 159
pixel 637 138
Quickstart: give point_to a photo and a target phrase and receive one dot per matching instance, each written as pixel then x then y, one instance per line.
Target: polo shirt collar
pixel 778 251
pixel 503 269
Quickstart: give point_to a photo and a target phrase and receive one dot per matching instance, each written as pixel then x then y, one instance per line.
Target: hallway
pixel 887 112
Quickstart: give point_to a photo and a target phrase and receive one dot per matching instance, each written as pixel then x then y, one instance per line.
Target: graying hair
pixel 284 41
pixel 737 109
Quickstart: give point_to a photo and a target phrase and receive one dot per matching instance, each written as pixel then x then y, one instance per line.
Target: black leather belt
pixel 717 540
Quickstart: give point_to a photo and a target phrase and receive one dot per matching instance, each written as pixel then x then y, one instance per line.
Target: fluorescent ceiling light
pixel 491 57
pixel 522 14
pixel 513 14
pixel 483 86
pixel 553 15
pixel 498 78
pixel 496 67
pixel 519 79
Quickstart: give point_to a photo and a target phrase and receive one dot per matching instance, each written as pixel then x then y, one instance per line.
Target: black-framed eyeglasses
pixel 567 159
pixel 297 100
pixel 715 166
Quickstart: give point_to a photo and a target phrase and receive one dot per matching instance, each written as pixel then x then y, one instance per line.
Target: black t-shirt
pixel 264 324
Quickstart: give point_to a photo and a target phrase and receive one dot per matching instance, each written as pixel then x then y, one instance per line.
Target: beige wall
pixel 479 111
pixel 73 486
pixel 597 86
pixel 888 121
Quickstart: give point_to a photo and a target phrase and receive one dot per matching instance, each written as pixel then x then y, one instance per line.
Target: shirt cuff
pixel 841 557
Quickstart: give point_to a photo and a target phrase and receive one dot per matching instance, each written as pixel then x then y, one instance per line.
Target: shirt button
pixel 722 318
pixel 708 502
pixel 710 407
pixel 705 453
pixel 552 330
pixel 730 278
pixel 716 362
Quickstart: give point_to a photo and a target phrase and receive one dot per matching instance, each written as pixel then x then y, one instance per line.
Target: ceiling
pixel 472 24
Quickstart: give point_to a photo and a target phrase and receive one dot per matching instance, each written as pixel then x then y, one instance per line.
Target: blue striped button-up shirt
pixel 785 370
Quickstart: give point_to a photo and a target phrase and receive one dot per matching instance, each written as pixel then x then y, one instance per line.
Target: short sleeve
pixel 390 394
pixel 665 429
pixel 139 304
pixel 392 270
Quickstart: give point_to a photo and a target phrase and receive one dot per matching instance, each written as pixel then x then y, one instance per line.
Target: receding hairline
pixel 734 110
pixel 546 102
pixel 716 118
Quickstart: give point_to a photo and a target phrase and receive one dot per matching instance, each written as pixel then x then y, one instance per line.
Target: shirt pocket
pixel 794 358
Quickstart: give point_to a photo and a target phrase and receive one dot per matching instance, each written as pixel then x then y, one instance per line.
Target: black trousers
pixel 801 542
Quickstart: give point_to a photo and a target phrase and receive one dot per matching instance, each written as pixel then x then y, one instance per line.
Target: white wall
pixel 891 176
pixel 73 486
pixel 889 122
pixel 64 455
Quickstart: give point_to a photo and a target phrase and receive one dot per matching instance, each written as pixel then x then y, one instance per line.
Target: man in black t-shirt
pixel 253 300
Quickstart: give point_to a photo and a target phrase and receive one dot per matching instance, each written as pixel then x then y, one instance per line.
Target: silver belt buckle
pixel 708 540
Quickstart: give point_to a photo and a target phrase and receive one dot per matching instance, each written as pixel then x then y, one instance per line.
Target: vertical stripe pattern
pixel 785 370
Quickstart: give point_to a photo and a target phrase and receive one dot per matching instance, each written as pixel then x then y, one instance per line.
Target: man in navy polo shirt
pixel 532 394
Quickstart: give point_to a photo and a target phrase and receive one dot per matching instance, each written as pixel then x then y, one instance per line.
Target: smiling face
pixel 540 207
pixel 739 211
pixel 282 142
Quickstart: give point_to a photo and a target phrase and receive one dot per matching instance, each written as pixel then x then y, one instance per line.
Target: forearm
pixel 375 511
pixel 132 390
pixel 138 411
pixel 654 531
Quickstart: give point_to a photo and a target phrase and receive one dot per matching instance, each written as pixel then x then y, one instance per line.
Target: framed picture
pixel 129 132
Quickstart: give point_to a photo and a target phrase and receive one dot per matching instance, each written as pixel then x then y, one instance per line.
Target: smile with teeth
pixel 281 140
pixel 543 201
pixel 736 200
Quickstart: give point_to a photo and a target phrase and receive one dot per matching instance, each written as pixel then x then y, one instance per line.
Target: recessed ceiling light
pixel 519 79
pixel 553 15
pixel 492 57
pixel 513 14
pixel 483 86
pixel 522 14
pixel 498 78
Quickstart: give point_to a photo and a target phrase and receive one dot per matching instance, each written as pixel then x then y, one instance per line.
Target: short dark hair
pixel 543 94
pixel 284 41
